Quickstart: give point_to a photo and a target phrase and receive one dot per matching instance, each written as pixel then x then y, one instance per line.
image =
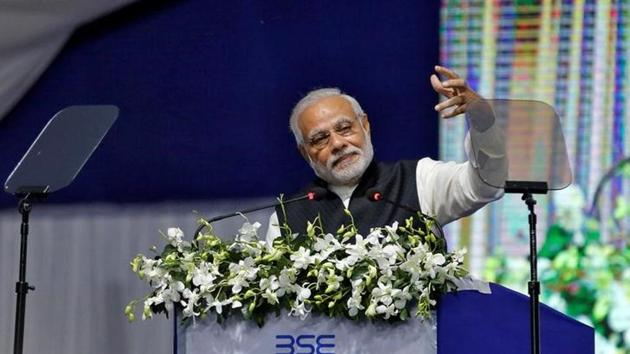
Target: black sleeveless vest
pixel 397 182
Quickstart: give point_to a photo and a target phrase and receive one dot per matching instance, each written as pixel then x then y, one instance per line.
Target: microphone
pixel 315 193
pixel 375 195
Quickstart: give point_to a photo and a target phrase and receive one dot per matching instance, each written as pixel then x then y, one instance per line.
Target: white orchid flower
pixel 269 283
pixel 218 305
pixel 458 255
pixel 392 232
pixel 189 306
pixel 387 276
pixel 326 246
pixel 151 270
pixel 170 294
pixel 269 286
pixel 242 273
pixel 345 263
pixel 174 236
pixel 271 297
pixel 420 249
pixel 173 291
pixel 358 250
pixel 248 232
pixel 238 283
pixel 386 256
pixel 354 305
pixel 432 262
pixel 300 309
pixel 154 300
pixel 413 266
pixel 303 293
pixel 286 280
pixel 383 293
pixel 401 296
pixel 204 275
pixel 302 258
pixel 387 310
pixel 328 241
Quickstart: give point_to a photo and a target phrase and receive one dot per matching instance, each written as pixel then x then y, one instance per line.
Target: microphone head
pixel 317 193
pixel 374 194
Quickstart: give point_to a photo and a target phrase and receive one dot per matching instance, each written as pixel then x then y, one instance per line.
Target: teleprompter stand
pixel 519 147
pixel 51 163
pixel 528 189
pixel 26 197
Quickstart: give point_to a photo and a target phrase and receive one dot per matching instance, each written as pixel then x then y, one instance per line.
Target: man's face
pixel 336 142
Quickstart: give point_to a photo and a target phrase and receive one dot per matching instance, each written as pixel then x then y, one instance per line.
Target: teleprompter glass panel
pixel 61 149
pixel 524 135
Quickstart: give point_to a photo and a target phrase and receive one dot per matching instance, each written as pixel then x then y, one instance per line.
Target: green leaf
pixel 557 240
pixel 601 308
pixel 348 234
pixel 310 229
pixel 135 264
pixel 404 314
pixel 359 271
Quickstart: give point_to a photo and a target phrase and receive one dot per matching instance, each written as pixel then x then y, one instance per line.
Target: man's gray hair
pixel 313 97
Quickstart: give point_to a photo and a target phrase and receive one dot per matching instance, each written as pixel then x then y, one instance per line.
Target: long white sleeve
pixel 449 191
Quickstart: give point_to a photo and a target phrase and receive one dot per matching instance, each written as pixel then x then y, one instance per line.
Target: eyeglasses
pixel 344 127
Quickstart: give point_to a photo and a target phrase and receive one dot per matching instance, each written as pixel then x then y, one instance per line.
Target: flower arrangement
pixel 383 275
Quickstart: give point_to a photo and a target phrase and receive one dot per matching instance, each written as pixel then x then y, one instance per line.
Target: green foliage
pixel 587 279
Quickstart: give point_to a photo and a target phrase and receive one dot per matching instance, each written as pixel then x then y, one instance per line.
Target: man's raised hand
pixel 457 92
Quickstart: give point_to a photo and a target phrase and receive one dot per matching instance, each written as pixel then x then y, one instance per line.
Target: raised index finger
pixel 447 72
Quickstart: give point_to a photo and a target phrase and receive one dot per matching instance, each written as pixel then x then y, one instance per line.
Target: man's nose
pixel 337 142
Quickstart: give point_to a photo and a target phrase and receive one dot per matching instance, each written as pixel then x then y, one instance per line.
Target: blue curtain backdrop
pixel 205 89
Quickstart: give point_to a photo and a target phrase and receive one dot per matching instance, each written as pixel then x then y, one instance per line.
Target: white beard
pixel 351 174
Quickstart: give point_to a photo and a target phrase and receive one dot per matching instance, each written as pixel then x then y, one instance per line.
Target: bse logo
pixel 305 344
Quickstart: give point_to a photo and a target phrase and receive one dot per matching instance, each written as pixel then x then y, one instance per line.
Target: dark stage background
pixel 205 89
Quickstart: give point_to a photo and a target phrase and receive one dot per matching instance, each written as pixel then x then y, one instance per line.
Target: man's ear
pixel 365 123
pixel 303 152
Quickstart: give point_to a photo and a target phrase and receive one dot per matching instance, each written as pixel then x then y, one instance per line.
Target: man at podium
pixel 333 135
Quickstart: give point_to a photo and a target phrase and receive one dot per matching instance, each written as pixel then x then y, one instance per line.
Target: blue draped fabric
pixel 473 323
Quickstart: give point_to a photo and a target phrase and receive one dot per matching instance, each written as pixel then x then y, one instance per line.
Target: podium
pixel 466 322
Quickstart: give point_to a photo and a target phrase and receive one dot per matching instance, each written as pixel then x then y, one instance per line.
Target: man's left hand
pixel 458 94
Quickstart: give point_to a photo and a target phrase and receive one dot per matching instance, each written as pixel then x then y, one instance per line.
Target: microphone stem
pixel 408 208
pixel 245 211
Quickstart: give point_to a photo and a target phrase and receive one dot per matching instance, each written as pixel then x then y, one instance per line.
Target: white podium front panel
pixel 315 335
